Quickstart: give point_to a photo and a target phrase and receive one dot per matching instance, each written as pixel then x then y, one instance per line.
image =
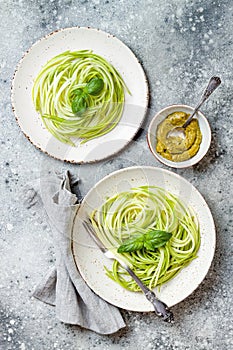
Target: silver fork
pixel 161 309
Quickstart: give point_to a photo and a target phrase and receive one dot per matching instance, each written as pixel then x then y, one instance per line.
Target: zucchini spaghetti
pixel 139 211
pixel 69 107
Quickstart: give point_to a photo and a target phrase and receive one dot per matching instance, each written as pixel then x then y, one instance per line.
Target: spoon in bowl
pixel 179 131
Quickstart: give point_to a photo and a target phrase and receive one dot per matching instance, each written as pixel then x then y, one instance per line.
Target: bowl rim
pixel 183 164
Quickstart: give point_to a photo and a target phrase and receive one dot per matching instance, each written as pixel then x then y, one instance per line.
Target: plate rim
pixel 169 172
pixel 54 32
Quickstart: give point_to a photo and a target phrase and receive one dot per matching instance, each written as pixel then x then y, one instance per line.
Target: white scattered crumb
pixel 179 12
pixel 9 227
pixel 2 64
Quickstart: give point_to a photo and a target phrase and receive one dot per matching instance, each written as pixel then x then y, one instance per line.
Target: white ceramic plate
pixel 90 260
pixel 112 50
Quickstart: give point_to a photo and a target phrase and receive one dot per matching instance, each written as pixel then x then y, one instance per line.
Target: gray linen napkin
pixel 63 286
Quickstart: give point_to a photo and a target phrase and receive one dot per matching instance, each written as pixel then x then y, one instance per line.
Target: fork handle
pixel 161 309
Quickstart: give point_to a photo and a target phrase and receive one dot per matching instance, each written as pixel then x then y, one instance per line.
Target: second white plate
pixel 91 261
pixel 105 45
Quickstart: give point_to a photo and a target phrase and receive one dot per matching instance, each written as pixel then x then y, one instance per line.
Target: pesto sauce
pixel 175 148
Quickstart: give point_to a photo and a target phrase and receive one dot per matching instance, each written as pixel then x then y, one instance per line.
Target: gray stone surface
pixel 181 44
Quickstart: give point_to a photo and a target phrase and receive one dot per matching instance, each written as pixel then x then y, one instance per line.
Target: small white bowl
pixel 205 130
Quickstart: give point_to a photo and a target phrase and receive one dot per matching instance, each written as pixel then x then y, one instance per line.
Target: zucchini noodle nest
pixel 143 208
pixel 54 90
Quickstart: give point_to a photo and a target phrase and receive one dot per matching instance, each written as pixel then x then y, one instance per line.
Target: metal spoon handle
pixel 213 84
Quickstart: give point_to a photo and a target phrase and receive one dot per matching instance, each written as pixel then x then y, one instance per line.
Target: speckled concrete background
pixel 181 44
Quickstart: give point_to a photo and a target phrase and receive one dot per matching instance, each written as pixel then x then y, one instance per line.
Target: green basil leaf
pixel 131 244
pixel 79 104
pixel 94 86
pixel 150 241
pixel 156 238
pixel 78 92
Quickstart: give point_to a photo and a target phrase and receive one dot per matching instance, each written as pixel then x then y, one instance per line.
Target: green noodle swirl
pixel 54 90
pixel 137 211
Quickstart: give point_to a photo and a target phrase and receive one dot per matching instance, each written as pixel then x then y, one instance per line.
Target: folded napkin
pixel 63 286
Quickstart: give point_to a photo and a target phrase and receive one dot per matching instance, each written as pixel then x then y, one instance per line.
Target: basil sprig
pixel 94 87
pixel 150 241
pixel 79 102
